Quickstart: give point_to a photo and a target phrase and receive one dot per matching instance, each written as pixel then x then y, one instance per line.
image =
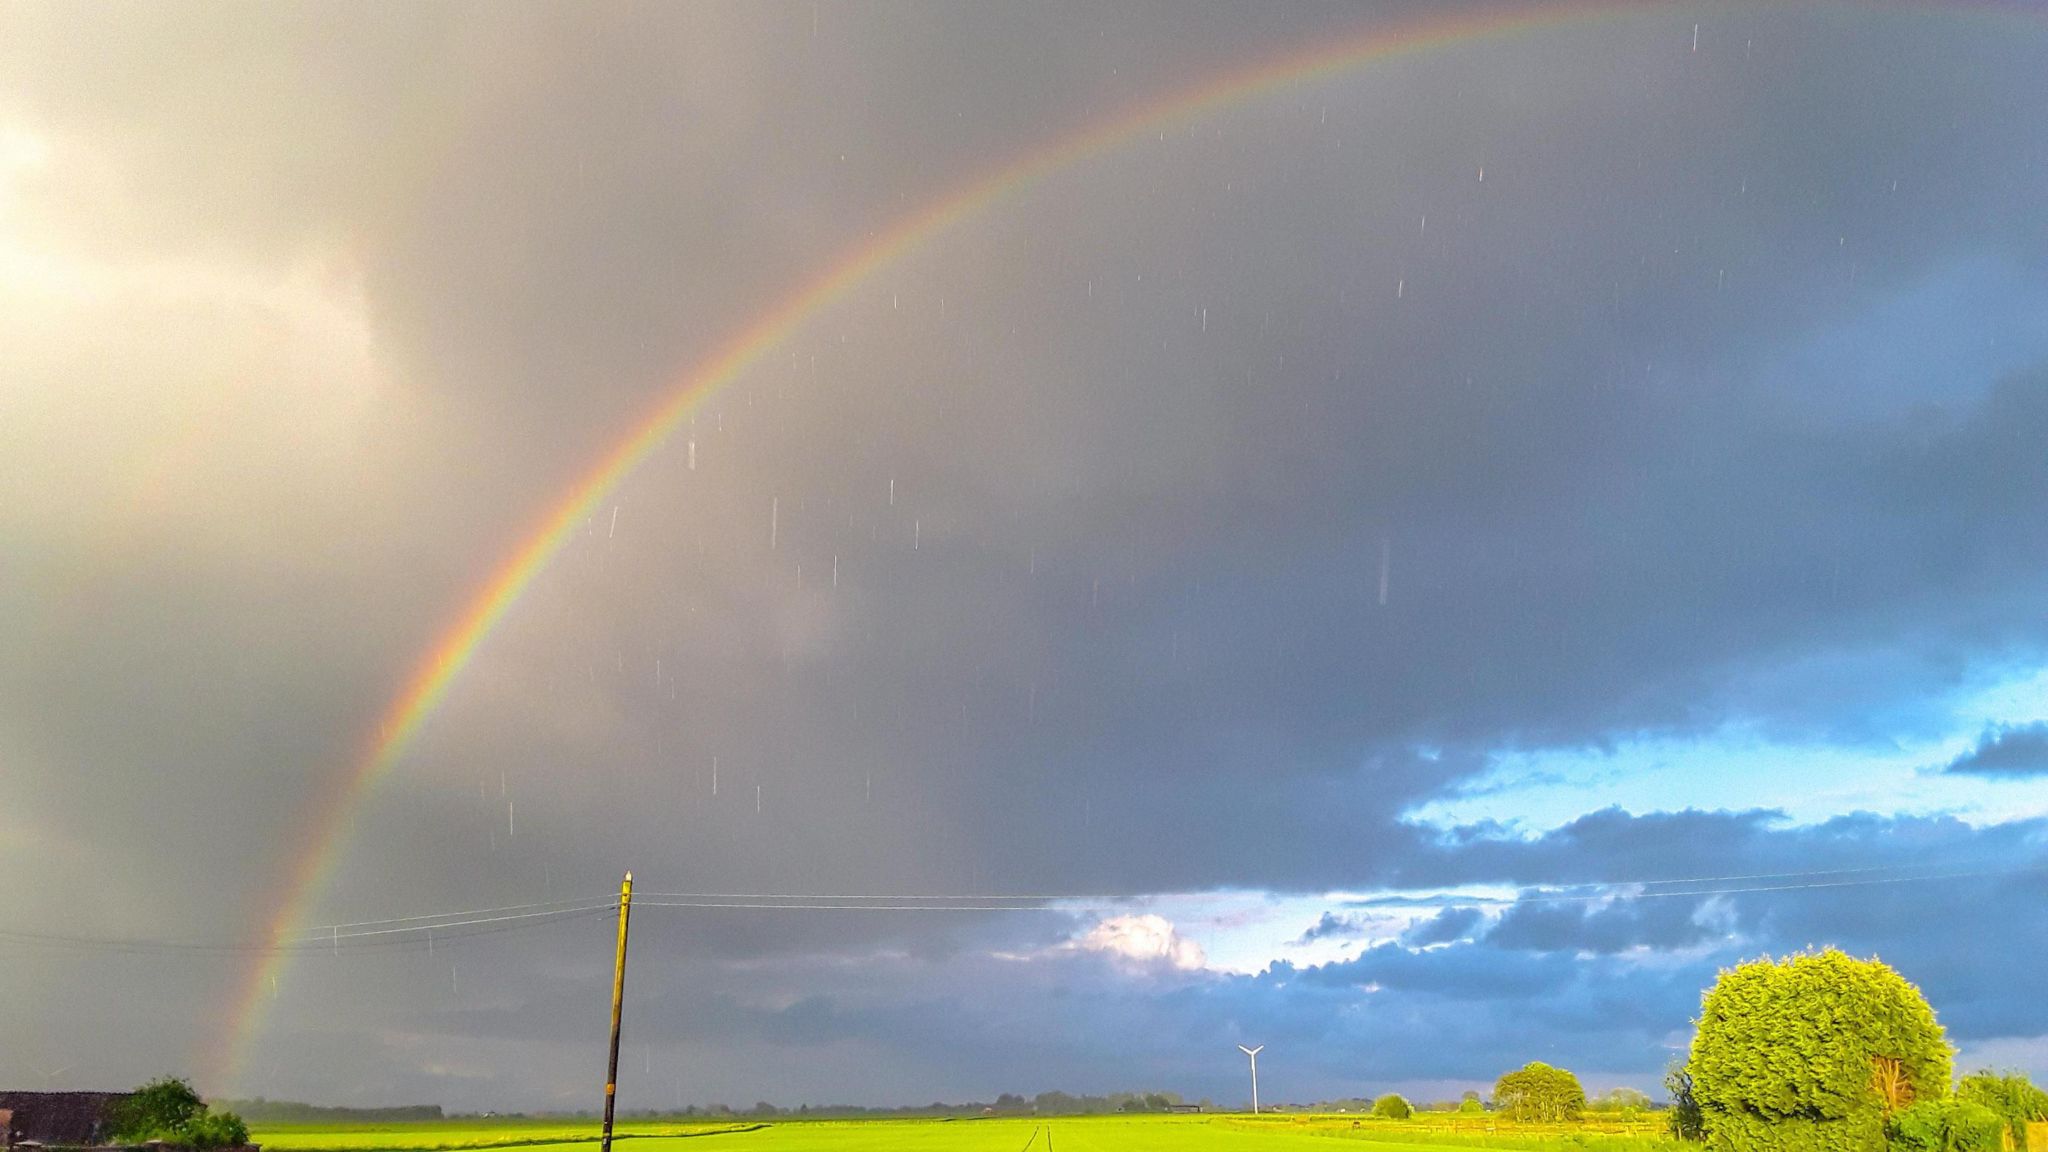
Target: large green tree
pixel 1536 1091
pixel 1811 1053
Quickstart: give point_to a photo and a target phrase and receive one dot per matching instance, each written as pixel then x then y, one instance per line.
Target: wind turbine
pixel 1254 1054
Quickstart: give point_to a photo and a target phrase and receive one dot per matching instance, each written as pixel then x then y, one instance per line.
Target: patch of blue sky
pixel 1738 767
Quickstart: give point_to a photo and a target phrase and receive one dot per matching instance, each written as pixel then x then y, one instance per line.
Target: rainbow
pixel 457 645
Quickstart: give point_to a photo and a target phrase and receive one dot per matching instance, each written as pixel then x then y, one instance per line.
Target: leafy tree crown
pixel 1811 1053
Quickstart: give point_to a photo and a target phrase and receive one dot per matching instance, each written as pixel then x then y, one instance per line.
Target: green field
pixel 994 1134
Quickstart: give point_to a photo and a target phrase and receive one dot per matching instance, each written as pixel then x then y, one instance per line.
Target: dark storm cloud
pixel 2007 750
pixel 1662 924
pixel 1236 511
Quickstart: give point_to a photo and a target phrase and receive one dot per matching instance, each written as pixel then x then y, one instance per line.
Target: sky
pixel 1418 567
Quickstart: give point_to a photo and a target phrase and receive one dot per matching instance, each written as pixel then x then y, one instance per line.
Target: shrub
pixel 2011 1095
pixel 1811 1053
pixel 1945 1126
pixel 216 1130
pixel 1536 1091
pixel 1392 1106
pixel 169 1110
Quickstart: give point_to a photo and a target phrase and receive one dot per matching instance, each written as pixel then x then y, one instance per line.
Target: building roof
pixel 58 1117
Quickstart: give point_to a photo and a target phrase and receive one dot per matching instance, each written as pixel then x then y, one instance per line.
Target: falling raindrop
pixel 916 535
pixel 714 775
pixel 1695 37
pixel 1386 567
pixel 892 491
pixel 693 455
pixel 614 530
pixel 774 520
pixel 835 569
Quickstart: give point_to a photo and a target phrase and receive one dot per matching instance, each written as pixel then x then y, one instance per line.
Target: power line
pixel 421 934
pixel 855 907
pixel 323 930
pixel 428 928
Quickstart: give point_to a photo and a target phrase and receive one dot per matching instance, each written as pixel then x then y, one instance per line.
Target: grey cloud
pixel 1662 924
pixel 2010 750
pixel 1331 926
pixel 1153 424
pixel 1451 924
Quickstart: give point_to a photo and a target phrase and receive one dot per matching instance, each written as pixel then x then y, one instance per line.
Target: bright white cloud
pixel 1144 939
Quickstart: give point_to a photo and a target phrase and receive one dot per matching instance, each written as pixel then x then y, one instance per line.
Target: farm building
pixel 73 1118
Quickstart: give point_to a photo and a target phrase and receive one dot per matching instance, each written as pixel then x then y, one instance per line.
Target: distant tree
pixel 1625 1100
pixel 2011 1095
pixel 1536 1091
pixel 1812 1053
pixel 158 1108
pixel 763 1108
pixel 1392 1106
pixel 1011 1100
pixel 1684 1118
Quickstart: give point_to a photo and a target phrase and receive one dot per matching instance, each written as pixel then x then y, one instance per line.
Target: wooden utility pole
pixel 611 1075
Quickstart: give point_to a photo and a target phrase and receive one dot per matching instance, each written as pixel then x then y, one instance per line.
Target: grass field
pixel 1221 1133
